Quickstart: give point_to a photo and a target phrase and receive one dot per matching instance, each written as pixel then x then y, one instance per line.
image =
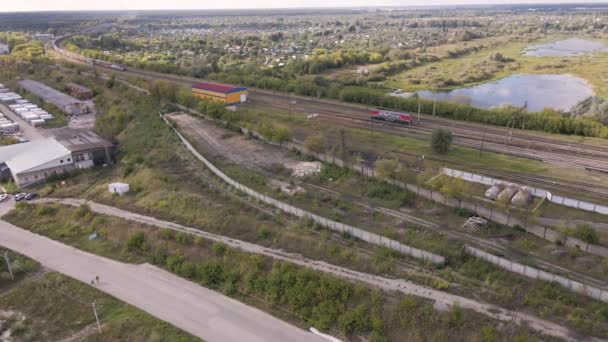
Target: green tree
pixel 441 140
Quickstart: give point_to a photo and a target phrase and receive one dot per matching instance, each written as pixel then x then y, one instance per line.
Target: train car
pixel 387 115
pixel 109 65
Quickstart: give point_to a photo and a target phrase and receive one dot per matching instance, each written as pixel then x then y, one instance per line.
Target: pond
pixel 565 48
pixel 559 92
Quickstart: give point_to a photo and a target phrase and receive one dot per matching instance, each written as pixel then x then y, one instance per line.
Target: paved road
pixel 442 299
pixel 27 131
pixel 188 306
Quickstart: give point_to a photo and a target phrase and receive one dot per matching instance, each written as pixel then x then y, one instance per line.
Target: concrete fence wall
pixel 570 202
pixel 488 213
pixel 333 225
pixel 534 273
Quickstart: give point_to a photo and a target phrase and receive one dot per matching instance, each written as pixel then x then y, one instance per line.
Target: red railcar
pixel 390 116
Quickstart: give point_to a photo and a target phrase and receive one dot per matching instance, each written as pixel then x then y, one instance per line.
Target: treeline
pixel 545 121
pixel 324 60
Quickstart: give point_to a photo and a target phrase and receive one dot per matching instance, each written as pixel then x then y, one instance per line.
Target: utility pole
pixel 434 100
pixel 523 125
pixel 291 103
pixel 483 139
pixel 418 109
pixel 96 317
pixel 8 264
pixel 343 146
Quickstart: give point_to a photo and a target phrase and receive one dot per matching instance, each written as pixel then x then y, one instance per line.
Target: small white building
pixel 118 188
pixel 4 49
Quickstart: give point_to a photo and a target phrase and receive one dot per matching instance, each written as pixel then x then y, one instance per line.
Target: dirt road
pixel 188 306
pixel 442 299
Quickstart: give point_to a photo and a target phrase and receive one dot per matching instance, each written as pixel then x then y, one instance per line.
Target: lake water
pixel 567 47
pixel 559 92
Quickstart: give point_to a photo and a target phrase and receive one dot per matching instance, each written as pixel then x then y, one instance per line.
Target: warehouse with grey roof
pixel 68 104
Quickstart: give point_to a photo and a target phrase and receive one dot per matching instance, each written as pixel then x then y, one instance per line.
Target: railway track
pixel 471 135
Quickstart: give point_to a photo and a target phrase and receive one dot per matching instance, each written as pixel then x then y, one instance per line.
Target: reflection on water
pixel 566 47
pixel 560 92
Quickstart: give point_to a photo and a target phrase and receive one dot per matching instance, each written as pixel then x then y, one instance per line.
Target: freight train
pixel 87 60
pixel 387 115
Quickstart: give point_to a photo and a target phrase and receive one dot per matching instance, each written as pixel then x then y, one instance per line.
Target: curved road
pixel 187 305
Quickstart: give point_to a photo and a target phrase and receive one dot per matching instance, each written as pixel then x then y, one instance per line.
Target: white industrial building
pixel 33 161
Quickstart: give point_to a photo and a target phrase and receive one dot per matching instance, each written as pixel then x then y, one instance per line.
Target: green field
pixel 477 68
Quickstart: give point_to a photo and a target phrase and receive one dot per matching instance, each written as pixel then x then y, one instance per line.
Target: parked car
pixel 4 197
pixel 31 196
pixel 20 196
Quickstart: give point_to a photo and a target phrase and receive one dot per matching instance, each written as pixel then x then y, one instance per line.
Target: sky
pixel 72 5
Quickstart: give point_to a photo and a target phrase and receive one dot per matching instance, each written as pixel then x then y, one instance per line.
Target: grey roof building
pixel 68 104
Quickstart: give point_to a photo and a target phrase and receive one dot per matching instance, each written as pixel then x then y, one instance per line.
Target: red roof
pixel 216 87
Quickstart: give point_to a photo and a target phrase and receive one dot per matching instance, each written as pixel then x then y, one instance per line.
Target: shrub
pixel 441 140
pixel 136 241
pixel 166 233
pixel 355 320
pixel 211 274
pixel 84 210
pixel 218 248
pixel 586 233
pixel 160 256
pixel 388 192
pixel 315 143
pixel 183 238
pixel 387 168
pixel 45 210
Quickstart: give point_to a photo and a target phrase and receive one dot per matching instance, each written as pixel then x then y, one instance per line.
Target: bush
pixel 166 233
pixel 586 233
pixel 441 140
pixel 183 238
pixel 211 274
pixel 387 168
pixel 315 143
pixel 354 321
pixel 218 248
pixel 84 210
pixel 45 210
pixel 136 241
pixel 388 192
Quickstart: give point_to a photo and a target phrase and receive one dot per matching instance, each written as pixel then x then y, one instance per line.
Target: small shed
pixel 79 91
pixel 228 94
pixel 118 188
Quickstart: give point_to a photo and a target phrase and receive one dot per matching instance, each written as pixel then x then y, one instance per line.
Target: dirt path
pixel 185 304
pixel 442 299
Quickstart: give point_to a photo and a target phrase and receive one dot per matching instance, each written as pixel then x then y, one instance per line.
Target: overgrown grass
pixel 314 298
pixel 50 315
